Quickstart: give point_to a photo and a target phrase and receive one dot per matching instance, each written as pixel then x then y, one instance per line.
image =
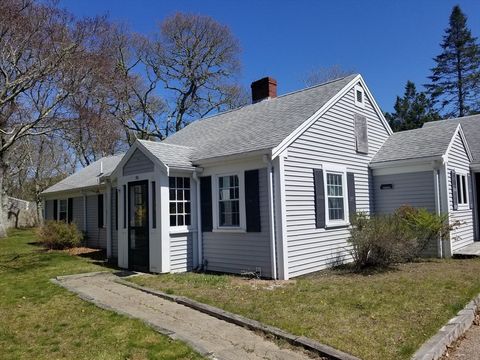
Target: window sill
pixel 229 230
pixel 338 225
pixel 181 230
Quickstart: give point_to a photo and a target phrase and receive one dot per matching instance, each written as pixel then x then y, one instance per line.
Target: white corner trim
pixel 306 124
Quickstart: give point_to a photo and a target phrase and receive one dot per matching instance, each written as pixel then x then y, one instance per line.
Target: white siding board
pixel 96 237
pixel 78 213
pixel 330 140
pixel 237 252
pixel 137 164
pixel 415 189
pixel 181 252
pixel 463 234
pixel 48 209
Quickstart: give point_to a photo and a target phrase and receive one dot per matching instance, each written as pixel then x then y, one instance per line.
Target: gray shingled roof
pixel 170 155
pixel 88 176
pixel 420 143
pixel 471 129
pixel 258 126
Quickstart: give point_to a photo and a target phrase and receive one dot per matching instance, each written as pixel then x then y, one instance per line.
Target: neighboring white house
pixel 267 188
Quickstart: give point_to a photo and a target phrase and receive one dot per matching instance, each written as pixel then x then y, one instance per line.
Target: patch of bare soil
pixel 80 251
pixel 261 284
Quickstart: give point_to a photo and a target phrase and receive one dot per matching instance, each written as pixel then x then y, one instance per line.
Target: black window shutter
pixel 124 206
pixel 55 209
pixel 115 213
pixel 470 191
pixel 319 198
pixel 206 203
pixel 154 205
pixel 100 210
pixel 352 203
pixel 453 176
pixel 70 210
pixel 252 201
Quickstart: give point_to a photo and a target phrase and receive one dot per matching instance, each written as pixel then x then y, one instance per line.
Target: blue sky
pixel 388 42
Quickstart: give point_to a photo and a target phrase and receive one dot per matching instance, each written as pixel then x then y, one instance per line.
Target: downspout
pixel 199 223
pixel 439 210
pixel 108 214
pixel 85 213
pixel 271 213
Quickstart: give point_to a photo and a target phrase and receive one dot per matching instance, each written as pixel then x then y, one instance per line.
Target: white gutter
pixel 271 213
pixel 199 222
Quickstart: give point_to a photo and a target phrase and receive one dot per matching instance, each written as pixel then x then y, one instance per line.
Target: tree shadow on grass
pixel 351 269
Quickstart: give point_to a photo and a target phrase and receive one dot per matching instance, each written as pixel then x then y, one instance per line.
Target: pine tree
pixel 455 80
pixel 412 110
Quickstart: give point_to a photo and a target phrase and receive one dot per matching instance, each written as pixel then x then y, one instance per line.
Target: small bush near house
pixel 400 237
pixel 59 235
pixel 379 240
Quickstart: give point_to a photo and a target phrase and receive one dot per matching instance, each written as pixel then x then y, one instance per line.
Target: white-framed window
pixel 336 197
pixel 229 202
pixel 180 201
pixel 62 210
pixel 359 94
pixel 462 189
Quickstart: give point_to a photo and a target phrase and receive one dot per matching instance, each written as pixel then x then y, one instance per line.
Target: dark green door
pixel 138 229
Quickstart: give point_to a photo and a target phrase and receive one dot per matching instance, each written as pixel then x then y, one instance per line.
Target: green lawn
pixel 385 315
pixel 40 320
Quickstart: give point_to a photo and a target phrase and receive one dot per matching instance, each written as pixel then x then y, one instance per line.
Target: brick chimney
pixel 263 89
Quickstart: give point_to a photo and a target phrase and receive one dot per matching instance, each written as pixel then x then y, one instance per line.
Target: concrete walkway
pixel 211 337
pixel 468 348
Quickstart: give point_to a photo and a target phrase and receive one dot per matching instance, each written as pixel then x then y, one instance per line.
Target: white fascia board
pixel 76 192
pixel 303 127
pixel 459 131
pixel 137 145
pixel 219 160
pixel 405 162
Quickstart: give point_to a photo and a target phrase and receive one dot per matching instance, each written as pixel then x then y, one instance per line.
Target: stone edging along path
pixel 300 341
pixel 435 347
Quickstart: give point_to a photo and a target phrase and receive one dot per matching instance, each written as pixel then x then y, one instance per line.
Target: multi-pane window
pixel 335 196
pixel 180 211
pixel 62 210
pixel 228 201
pixel 462 189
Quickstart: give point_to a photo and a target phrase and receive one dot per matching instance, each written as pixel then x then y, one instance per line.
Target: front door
pixel 138 229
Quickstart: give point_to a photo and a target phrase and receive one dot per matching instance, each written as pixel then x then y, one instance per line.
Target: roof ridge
pixel 270 99
pixel 166 144
pixel 317 85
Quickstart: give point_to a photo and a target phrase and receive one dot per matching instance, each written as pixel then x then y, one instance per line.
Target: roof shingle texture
pixel 259 126
pixel 88 176
pixel 170 155
pixel 415 144
pixel 471 129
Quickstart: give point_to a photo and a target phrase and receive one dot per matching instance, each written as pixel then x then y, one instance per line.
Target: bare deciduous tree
pixel 189 70
pixel 36 163
pixel 323 74
pixel 41 52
